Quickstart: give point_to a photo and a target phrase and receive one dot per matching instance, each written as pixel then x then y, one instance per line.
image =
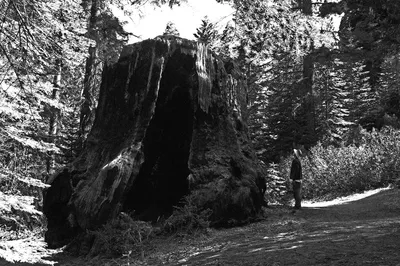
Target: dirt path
pixel 361 232
pixel 350 231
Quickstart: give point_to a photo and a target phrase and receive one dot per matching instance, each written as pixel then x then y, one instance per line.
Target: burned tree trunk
pixel 170 113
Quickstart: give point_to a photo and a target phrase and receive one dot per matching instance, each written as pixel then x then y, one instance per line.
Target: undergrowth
pixel 187 219
pixel 371 160
pixel 126 237
pixel 121 236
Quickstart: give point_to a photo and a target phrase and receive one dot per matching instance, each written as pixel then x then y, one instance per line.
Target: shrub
pixel 372 160
pixel 120 236
pixel 276 185
pixel 187 218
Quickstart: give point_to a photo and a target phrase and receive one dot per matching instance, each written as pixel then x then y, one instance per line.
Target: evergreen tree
pixel 268 39
pixel 333 95
pixel 170 29
pixel 390 89
pixel 206 33
pixel 34 61
pixel 309 136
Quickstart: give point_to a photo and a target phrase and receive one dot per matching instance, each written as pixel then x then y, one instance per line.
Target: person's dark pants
pixel 297 194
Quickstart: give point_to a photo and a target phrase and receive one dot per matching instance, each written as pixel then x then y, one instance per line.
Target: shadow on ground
pixel 364 231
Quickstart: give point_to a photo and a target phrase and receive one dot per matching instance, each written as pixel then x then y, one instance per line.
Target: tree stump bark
pixel 171 121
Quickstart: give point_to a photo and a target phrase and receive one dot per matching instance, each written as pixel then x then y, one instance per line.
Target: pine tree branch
pixel 13 67
pixel 24 25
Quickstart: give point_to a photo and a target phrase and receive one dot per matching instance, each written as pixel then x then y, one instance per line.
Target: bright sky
pixel 187 17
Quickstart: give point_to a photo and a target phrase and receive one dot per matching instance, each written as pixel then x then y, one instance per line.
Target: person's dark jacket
pixel 295 170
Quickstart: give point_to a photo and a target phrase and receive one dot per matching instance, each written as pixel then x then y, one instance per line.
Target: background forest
pixel 322 75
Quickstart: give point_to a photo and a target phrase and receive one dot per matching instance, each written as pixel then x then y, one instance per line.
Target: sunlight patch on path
pixel 343 200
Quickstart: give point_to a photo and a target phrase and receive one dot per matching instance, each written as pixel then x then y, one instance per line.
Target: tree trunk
pixel 309 134
pixel 55 113
pixel 170 116
pixel 87 107
pixel 88 103
pixel 309 101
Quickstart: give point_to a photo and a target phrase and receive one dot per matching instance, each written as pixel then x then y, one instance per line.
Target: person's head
pixel 297 153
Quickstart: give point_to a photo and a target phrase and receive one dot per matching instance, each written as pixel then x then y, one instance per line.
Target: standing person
pixel 296 176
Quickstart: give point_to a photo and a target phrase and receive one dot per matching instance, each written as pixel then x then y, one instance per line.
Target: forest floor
pixel 362 229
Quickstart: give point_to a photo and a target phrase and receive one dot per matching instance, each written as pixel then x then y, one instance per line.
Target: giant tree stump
pixel 171 121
